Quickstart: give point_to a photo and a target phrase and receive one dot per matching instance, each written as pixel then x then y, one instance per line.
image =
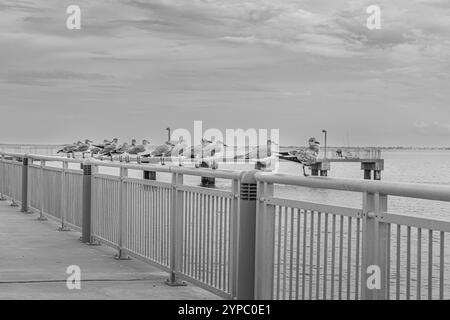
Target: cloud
pixel 46 78
pixel 432 129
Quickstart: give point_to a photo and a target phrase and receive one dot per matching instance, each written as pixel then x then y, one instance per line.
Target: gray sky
pixel 138 66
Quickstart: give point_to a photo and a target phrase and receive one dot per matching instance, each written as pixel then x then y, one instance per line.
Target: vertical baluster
pixel 441 265
pixel 221 227
pixel 291 254
pixel 397 284
pixel 388 262
pixel 349 255
pixel 325 258
pixel 333 255
pixel 284 231
pixel 357 263
pixel 297 276
pixel 305 226
pixel 319 216
pixel 430 264
pixel 311 254
pixel 341 251
pixel 419 261
pixel 278 210
pixel 408 262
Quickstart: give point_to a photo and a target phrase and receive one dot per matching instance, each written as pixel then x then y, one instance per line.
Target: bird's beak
pixel 317 142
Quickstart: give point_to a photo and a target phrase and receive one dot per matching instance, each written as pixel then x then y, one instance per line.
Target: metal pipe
pixel 411 190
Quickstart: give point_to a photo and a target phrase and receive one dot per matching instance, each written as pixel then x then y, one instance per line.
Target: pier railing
pixel 309 250
pixel 242 240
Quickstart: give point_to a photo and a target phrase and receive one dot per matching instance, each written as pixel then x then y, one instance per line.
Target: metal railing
pixel 309 250
pixel 241 241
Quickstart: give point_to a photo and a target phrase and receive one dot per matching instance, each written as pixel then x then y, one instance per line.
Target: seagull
pixel 305 156
pixel 84 147
pixel 162 151
pixel 109 148
pixel 213 148
pixel 259 152
pixel 122 148
pixel 194 151
pixel 69 148
pixel 179 148
pixel 104 144
pixel 139 149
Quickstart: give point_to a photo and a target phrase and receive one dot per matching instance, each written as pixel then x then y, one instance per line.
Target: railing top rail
pixel 400 189
pixel 203 172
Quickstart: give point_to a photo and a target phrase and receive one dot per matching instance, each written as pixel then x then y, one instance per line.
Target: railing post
pixel 374 247
pixel 24 207
pixel 246 232
pixel 13 200
pixel 3 175
pixel 176 231
pixel 122 254
pixel 63 227
pixel 265 239
pixel 41 192
pixel 86 235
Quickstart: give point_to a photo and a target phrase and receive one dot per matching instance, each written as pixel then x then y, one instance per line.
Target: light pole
pixel 325 133
pixel 168 133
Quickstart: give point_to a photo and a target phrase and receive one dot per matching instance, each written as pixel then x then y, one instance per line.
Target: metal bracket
pixel 122 255
pixel 63 228
pixel 172 281
pixel 371 215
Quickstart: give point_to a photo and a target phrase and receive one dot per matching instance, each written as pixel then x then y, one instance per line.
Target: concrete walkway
pixel 34 257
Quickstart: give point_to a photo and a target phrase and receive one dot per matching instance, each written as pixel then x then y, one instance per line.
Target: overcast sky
pixel 301 66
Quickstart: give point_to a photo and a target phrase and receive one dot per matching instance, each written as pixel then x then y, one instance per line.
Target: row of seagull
pixel 206 149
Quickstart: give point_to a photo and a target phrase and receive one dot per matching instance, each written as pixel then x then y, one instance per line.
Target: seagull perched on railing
pixel 259 152
pixel 105 143
pixel 216 146
pixel 84 147
pixel 139 149
pixel 305 156
pixel 161 151
pixel 179 149
pixel 109 148
pixel 69 148
pixel 195 151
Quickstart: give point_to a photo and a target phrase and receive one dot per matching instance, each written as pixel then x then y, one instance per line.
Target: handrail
pixel 401 189
pixel 203 172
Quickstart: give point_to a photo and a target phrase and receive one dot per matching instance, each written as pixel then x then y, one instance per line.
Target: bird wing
pixel 160 150
pixel 307 157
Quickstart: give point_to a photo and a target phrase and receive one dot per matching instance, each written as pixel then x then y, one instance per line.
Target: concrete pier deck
pixel 34 257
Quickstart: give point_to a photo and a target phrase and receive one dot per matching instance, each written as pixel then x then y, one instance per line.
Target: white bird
pixel 305 156
pixel 215 147
pixel 140 149
pixel 84 147
pixel 69 148
pixel 259 152
pixel 195 151
pixel 109 148
pixel 179 147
